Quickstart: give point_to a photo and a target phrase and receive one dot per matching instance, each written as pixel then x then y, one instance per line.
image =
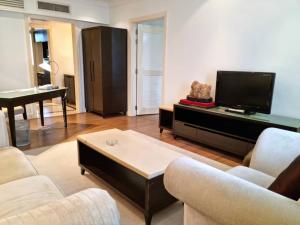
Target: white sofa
pixel 27 198
pixel 238 196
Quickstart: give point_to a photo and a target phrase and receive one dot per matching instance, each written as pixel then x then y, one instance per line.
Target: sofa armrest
pixel 89 207
pixel 14 165
pixel 275 149
pixel 226 199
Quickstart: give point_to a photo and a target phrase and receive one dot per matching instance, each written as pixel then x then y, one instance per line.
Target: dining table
pixel 21 97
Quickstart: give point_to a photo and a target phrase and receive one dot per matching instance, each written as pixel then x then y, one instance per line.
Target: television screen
pixel 40 36
pixel 250 91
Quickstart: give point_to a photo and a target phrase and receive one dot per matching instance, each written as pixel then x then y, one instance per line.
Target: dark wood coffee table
pixel 135 166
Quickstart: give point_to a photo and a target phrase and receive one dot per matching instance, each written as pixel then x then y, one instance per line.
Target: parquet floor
pixel 54 132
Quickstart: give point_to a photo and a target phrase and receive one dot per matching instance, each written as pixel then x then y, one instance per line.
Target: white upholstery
pixel 239 196
pixel 275 150
pixel 226 199
pixel 18 110
pixel 25 194
pixel 192 216
pixel 4 136
pixel 89 207
pixel 14 165
pixel 254 176
pixel 30 199
pixel 4 139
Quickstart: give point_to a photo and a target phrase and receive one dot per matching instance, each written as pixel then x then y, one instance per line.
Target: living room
pixel 110 164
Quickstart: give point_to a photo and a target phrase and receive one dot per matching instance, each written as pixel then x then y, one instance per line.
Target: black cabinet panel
pixel 87 62
pixel 43 78
pixel 230 132
pixel 243 129
pixel 105 62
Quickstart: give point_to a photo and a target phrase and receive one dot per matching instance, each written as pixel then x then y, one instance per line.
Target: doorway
pixel 41 56
pixel 53 61
pixel 150 50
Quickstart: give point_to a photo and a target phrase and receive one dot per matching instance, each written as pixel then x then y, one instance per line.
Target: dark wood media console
pixel 231 132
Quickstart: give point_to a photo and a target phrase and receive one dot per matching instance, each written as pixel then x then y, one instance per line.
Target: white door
pixel 150 62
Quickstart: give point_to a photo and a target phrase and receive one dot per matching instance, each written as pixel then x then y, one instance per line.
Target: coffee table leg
pixel 148 211
pixel 82 171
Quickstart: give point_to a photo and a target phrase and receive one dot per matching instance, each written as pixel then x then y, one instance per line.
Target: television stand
pixel 227 131
pixel 240 111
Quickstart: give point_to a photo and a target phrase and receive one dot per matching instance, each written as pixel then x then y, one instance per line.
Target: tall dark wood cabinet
pixel 105 69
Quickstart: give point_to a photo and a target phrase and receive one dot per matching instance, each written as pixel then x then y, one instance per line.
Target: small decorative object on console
pixel 199 96
pixel 200 92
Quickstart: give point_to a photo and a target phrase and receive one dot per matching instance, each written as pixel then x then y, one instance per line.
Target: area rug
pixel 60 163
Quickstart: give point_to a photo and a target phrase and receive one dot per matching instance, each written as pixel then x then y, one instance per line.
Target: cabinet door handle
pixel 91 71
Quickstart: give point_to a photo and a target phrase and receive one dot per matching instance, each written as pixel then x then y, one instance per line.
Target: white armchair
pixel 238 196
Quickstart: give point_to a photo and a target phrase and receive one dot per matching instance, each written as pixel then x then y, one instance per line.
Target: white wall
pixel 14 55
pixel 95 11
pixel 14 68
pixel 204 36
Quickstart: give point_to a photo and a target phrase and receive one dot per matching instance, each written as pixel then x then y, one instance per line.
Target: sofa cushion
pixel 28 193
pixel 18 110
pixel 14 165
pixel 252 175
pixel 274 151
pixel 89 207
pixel 288 182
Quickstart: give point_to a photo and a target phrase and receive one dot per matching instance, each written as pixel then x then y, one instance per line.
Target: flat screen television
pixel 248 91
pixel 40 36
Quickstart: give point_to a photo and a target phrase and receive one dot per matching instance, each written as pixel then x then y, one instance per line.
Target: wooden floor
pixel 54 132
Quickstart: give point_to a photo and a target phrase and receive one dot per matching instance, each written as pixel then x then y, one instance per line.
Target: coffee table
pixel 134 166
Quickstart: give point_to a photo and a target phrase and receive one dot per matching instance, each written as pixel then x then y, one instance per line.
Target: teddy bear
pixel 200 91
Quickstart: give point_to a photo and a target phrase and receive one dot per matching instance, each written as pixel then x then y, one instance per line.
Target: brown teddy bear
pixel 200 91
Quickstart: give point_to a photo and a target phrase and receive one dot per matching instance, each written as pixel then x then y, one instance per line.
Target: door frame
pixel 132 76
pixel 77 26
pixel 142 29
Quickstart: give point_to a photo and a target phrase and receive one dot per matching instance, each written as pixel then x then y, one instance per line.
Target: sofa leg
pixel 82 171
